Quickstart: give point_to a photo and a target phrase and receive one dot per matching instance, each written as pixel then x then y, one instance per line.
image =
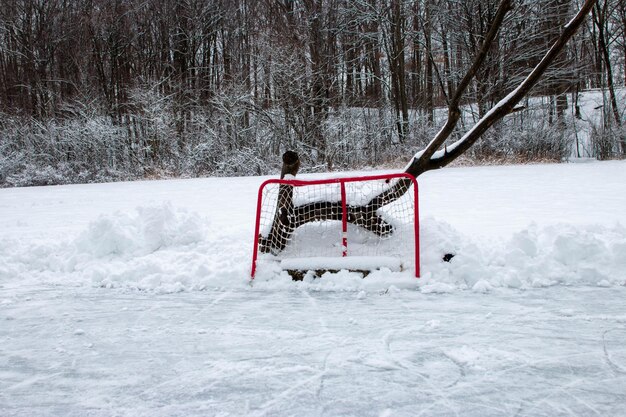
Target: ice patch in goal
pixel 354 223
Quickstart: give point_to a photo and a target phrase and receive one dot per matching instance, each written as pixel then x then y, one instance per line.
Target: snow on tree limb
pixel 431 157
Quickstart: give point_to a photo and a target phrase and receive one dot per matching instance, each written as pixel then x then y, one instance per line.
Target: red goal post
pixel 335 191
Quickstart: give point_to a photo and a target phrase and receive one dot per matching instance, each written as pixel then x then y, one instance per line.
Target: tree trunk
pixel 430 81
pixel 601 20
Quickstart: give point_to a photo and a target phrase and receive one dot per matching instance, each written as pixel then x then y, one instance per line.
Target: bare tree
pixel 346 83
pixel 601 18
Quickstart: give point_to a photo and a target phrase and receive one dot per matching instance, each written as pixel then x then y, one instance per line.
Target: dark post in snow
pixel 430 157
pixel 282 226
pixel 291 164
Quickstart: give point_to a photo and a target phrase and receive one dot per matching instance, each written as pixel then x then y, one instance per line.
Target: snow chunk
pixel 437 288
pixel 464 356
pixel 482 286
pixel 147 230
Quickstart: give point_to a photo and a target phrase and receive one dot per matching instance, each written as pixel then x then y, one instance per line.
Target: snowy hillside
pixel 135 299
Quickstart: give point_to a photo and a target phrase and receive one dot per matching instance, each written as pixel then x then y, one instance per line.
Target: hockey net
pixel 329 225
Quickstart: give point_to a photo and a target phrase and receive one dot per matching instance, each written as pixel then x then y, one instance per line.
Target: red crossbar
pixel 342 182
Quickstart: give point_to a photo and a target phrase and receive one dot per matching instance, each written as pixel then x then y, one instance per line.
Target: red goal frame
pixel 342 182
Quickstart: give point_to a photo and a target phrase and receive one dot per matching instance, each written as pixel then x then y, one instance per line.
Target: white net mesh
pixel 305 221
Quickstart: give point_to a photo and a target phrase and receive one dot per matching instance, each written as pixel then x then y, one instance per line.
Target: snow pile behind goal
pixel 355 223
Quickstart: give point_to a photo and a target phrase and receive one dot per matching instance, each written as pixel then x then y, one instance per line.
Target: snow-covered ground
pixel 134 299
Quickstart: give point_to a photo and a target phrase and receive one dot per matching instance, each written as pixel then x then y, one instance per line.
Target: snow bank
pixel 157 248
pixel 534 257
pixel 165 249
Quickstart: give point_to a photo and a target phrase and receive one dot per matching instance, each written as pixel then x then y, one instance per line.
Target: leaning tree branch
pixel 508 103
pixel 430 158
pixel 454 110
pixel 421 162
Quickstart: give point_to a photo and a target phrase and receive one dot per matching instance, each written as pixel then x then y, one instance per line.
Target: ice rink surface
pixel 133 299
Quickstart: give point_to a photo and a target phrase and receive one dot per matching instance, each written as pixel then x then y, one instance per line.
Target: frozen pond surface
pixel 134 299
pixel 545 352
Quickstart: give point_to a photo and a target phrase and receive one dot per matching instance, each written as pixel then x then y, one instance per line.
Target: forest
pixel 105 90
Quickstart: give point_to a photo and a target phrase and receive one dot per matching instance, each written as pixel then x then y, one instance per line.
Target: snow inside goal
pixel 355 223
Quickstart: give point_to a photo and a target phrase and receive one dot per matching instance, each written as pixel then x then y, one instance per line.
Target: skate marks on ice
pixel 96 351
